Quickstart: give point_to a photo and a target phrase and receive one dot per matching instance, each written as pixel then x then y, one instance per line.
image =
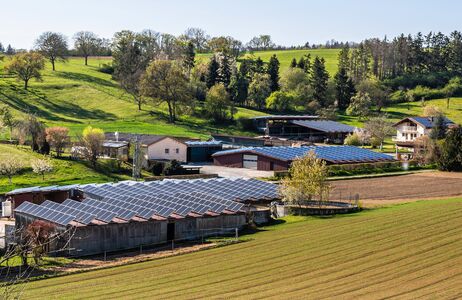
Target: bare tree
pixel 87 43
pixel 198 37
pixel 379 128
pixel 31 128
pixel 57 137
pixel 52 45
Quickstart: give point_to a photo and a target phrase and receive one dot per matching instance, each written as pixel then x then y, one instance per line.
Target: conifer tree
pixel 212 72
pixel 293 64
pixel 319 80
pixel 273 72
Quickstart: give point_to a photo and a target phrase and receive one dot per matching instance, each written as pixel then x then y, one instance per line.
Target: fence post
pixel 237 233
pixel 173 245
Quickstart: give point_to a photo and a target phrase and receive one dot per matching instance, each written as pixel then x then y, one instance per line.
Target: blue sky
pixel 289 22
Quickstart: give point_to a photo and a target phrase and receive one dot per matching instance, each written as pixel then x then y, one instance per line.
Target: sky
pixel 289 22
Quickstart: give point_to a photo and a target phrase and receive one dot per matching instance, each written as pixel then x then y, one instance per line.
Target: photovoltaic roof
pixel 333 154
pixel 128 200
pixel 325 126
pixel 427 122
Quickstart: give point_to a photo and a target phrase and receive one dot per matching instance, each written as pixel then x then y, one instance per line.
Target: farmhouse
pixel 307 128
pixel 280 158
pixel 165 148
pixel 125 215
pixel 409 129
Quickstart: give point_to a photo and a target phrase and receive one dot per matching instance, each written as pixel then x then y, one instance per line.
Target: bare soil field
pixel 403 188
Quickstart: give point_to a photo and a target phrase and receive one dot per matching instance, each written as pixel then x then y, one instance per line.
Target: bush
pixel 173 168
pixel 106 68
pixel 246 124
pixel 353 140
pixel 280 101
pixel 157 168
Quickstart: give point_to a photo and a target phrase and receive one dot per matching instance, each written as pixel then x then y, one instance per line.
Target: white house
pixel 409 129
pixel 167 148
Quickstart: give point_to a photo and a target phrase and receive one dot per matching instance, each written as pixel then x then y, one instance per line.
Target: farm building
pixel 233 141
pixel 166 148
pixel 411 128
pixel 115 149
pixel 125 215
pixel 280 158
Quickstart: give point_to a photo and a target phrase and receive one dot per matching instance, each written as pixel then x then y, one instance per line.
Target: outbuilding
pixel 280 158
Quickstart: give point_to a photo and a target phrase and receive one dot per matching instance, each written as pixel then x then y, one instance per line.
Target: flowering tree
pixel 9 166
pixel 41 166
pixel 92 141
pixel 307 180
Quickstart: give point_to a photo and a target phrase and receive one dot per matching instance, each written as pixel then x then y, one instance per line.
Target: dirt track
pixel 404 188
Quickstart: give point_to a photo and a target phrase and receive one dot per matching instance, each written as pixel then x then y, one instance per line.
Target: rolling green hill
pixel 405 251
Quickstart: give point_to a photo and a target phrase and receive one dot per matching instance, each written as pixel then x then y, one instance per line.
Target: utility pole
pixel 137 156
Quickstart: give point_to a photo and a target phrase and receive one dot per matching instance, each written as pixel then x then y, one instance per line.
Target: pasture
pixel 406 251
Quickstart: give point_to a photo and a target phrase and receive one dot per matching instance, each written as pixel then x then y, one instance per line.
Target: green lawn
pixel 285 57
pixel 65 171
pixel 404 251
pixel 76 96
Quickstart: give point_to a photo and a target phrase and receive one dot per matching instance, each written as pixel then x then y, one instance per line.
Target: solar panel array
pixel 147 200
pixel 334 154
pixel 325 126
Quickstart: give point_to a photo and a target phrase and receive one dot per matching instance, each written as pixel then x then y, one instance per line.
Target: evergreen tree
pixel 224 69
pixel 239 87
pixel 293 64
pixel 307 62
pixel 449 157
pixel 344 88
pixel 189 56
pixel 258 66
pixel 301 63
pixel 344 58
pixel 273 72
pixel 319 80
pixel 212 72
pixel 2 49
pixel 9 50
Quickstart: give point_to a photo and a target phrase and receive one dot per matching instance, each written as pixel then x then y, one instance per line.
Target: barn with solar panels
pixel 126 215
pixel 280 158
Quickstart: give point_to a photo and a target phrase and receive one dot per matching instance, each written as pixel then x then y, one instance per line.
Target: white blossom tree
pixel 10 166
pixel 41 166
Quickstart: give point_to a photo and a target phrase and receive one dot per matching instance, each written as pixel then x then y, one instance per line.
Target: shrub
pixel 157 168
pixel 107 69
pixel 280 101
pixel 173 168
pixel 353 140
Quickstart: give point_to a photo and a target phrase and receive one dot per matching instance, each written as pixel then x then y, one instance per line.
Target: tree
pixel 173 168
pixel 432 111
pixel 87 43
pixel 53 46
pixel 239 88
pixel 41 166
pixel 31 127
pixel 26 66
pixel 449 156
pixel 38 234
pixel 7 119
pixel 293 63
pixel 198 37
pixel 375 91
pixel 92 141
pixel 307 181
pixel 379 128
pixel 439 128
pixel 259 90
pixel 212 72
pixel 10 166
pixel 424 150
pixel 165 81
pixel 188 57
pixel 9 50
pixel 344 88
pixel 280 101
pixel 57 137
pixel 130 63
pixel 217 103
pixel 319 80
pixel 2 49
pixel 225 68
pixel 273 72
pixel 360 105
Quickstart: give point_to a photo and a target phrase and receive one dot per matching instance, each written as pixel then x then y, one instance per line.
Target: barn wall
pixel 264 164
pixel 229 160
pixel 96 239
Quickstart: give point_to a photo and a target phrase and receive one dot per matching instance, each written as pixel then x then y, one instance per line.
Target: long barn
pixel 118 216
pixel 280 158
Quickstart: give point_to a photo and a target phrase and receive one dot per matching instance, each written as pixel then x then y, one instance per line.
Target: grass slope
pixel 65 171
pixel 285 57
pixel 405 251
pixel 76 96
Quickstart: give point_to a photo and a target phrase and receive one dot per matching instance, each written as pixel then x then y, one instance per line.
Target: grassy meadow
pixel 404 251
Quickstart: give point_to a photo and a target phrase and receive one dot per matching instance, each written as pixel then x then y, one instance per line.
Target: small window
pixel 167 151
pixel 177 150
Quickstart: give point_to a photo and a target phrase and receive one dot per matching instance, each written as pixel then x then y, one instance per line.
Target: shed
pixel 201 151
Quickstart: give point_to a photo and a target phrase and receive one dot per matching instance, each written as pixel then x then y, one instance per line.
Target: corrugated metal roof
pixel 203 143
pixel 325 126
pixel 286 117
pixel 114 144
pixel 333 154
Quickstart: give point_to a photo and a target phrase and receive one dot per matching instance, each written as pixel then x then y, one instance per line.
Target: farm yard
pixel 403 188
pixel 406 251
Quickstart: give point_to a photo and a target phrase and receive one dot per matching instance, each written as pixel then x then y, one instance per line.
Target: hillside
pixel 64 172
pixel 285 57
pixel 76 96
pixel 405 251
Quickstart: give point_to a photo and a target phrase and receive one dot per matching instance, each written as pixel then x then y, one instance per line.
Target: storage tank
pixel 6 208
